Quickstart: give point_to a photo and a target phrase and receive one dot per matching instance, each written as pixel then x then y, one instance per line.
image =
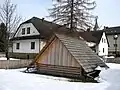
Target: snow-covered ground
pixel 4 58
pixel 14 79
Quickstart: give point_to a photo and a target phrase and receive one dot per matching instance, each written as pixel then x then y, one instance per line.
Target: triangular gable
pixel 55 53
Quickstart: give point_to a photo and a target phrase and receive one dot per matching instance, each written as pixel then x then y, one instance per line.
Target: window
pixel 28 30
pixel 32 45
pixel 102 40
pixel 23 31
pixel 103 50
pixel 17 45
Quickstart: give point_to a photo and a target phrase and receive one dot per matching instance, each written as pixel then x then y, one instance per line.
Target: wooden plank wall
pixel 57 54
pixel 11 64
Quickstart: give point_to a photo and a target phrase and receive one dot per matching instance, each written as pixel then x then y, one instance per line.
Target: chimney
pixel 43 19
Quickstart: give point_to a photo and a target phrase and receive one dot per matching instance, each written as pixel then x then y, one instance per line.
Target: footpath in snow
pixel 14 79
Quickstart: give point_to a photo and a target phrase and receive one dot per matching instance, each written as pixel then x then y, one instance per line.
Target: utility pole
pixel 115 45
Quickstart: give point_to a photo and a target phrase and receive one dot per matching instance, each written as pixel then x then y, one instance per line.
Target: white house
pixel 96 40
pixel 103 46
pixel 30 37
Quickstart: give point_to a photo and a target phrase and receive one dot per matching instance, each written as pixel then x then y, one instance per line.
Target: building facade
pixel 102 48
pixel 97 41
pixel 114 42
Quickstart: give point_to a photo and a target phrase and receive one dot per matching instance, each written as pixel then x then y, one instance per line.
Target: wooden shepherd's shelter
pixel 67 55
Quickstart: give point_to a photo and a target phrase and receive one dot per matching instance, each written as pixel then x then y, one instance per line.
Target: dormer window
pixel 28 30
pixel 23 31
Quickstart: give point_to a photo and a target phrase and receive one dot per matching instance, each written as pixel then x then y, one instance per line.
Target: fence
pixel 113 60
pixel 13 64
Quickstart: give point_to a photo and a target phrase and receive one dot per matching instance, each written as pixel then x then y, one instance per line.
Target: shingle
pixel 81 52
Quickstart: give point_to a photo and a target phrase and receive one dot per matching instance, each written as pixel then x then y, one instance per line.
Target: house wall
pixel 103 46
pixel 112 42
pixel 33 30
pixel 25 46
pixel 57 54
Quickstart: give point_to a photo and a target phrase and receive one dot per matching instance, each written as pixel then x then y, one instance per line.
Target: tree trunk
pixel 7 55
pixel 71 24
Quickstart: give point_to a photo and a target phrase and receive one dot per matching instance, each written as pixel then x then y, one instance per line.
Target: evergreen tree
pixel 75 14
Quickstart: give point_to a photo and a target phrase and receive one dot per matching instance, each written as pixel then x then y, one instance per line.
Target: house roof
pixel 88 59
pixel 98 34
pixel 112 30
pixel 92 36
pixel 28 37
pixel 45 28
pixel 88 36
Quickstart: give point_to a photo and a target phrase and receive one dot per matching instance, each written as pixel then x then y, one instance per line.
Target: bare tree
pixel 75 14
pixel 9 17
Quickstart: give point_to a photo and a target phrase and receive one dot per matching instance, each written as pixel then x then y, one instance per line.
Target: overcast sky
pixel 107 10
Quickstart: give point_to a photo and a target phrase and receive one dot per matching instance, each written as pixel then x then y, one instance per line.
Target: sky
pixel 107 10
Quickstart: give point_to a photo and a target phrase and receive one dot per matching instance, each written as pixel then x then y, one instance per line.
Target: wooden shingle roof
pixel 88 59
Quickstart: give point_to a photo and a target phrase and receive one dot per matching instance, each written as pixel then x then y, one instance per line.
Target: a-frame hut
pixel 67 55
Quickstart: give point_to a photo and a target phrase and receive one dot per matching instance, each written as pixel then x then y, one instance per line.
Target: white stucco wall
pixel 33 30
pixel 103 44
pixel 25 46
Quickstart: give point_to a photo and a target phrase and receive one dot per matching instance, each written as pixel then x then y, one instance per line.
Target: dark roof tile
pixel 28 37
pixel 112 30
pixel 92 36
